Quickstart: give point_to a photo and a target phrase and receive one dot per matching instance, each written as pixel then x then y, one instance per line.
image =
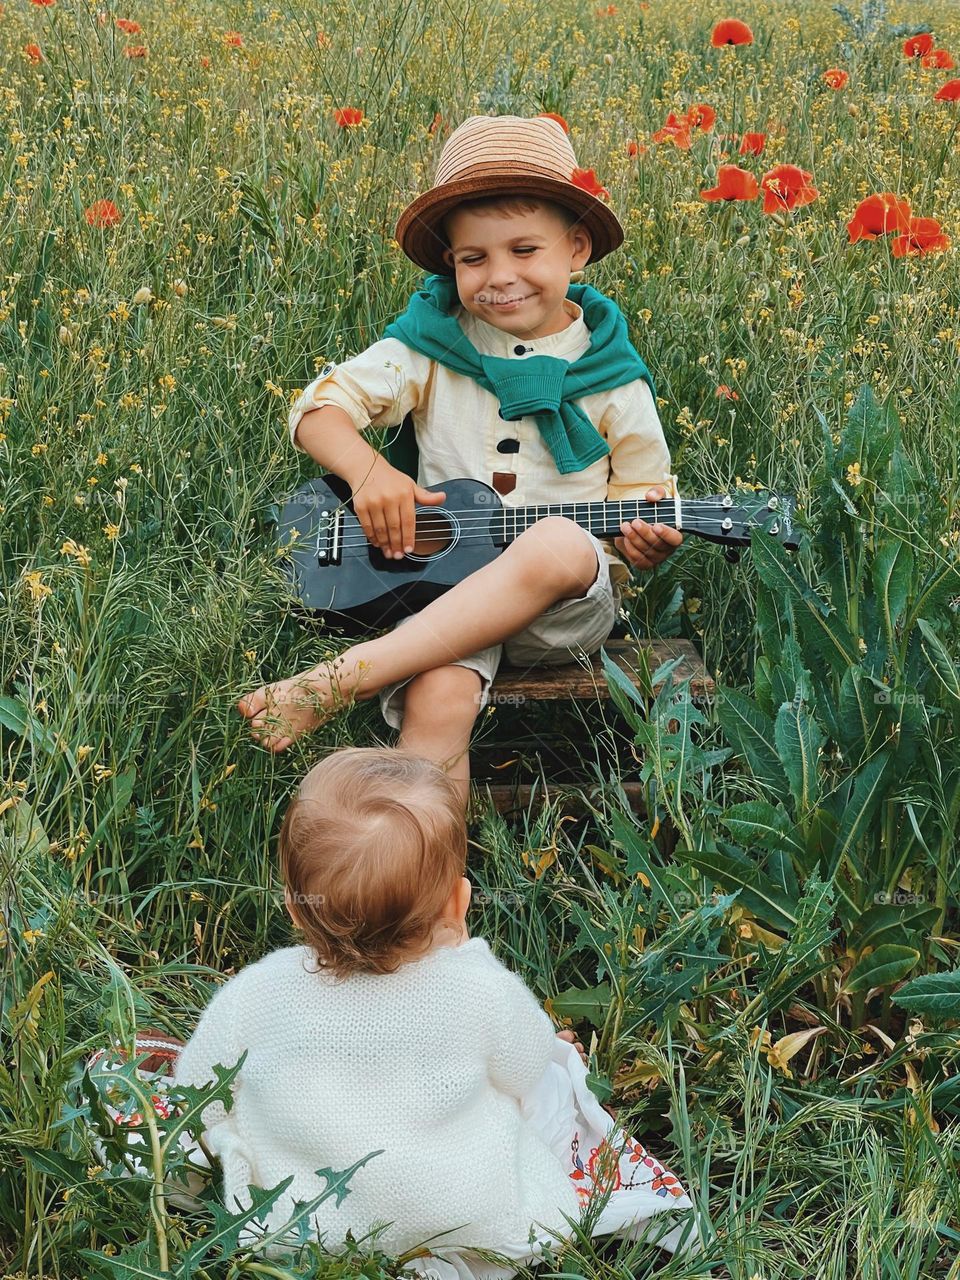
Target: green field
pixel 765 966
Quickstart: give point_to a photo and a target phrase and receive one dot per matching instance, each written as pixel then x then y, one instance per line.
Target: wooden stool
pixel 577 681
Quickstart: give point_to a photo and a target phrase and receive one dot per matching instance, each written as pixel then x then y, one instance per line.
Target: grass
pixel 143 453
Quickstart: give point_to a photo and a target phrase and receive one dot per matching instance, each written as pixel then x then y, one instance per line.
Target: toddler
pixel 514 377
pixel 392 1040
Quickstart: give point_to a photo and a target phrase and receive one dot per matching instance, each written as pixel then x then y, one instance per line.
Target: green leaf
pixel 121 789
pixel 932 995
pixel 893 573
pixel 19 719
pixel 870 435
pixel 133 1264
pixel 623 692
pixel 881 968
pixel 858 713
pixel 865 795
pixel 756 822
pixel 835 646
pixel 583 1003
pixel 734 871
pixel 751 734
pixel 22 828
pixel 799 738
pixel 939 659
pixel 887 922
pixel 68 1172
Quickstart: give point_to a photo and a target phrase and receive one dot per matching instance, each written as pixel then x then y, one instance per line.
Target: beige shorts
pixel 567 629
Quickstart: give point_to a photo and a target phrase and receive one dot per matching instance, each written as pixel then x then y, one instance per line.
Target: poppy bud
pixel 742 242
pixel 710 172
pixel 65 334
pixel 864 130
pixel 853 109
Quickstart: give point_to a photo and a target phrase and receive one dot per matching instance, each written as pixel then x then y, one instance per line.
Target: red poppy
pixel 752 144
pixel 786 186
pixel 676 131
pixel 878 215
pixel 128 26
pixel 587 180
pixel 102 213
pixel 323 40
pixel 234 39
pixel 731 31
pixel 938 59
pixel 437 122
pixel 726 392
pixel 348 117
pixel 204 60
pixel 836 78
pixel 733 183
pixel 923 235
pixel 33 52
pixel 609 12
pixel 635 148
pixel 949 92
pixel 42 4
pixel 701 116
pixel 552 115
pixel 136 51
pixel 917 46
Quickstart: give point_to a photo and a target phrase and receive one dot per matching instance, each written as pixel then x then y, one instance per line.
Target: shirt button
pixel 519 350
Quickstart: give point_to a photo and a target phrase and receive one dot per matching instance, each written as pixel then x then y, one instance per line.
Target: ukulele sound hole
pixel 433 536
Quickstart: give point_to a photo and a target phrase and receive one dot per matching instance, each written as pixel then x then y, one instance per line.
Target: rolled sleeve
pixel 376 388
pixel 639 456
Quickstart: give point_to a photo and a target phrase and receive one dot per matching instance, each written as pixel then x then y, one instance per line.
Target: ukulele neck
pixel 602 519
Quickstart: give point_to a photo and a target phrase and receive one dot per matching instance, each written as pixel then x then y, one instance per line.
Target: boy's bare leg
pixel 439 710
pixel 550 561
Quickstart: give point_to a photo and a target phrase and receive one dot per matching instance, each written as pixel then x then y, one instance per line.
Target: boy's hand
pixel 384 502
pixel 646 545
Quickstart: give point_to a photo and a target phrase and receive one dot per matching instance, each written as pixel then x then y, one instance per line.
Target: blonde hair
pixel 370 849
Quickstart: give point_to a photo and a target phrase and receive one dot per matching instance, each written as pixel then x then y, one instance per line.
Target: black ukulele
pixel 336 572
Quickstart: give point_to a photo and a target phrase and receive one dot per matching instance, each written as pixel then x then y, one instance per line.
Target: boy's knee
pixel 567 556
pixel 444 694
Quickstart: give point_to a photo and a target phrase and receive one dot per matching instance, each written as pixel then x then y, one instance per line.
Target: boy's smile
pixel 513 269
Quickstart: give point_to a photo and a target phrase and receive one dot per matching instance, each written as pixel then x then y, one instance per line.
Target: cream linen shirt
pixel 458 424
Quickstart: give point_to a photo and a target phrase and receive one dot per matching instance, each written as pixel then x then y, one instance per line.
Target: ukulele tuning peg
pixel 732 554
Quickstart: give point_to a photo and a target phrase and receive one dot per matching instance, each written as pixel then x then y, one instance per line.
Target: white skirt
pixel 622 1188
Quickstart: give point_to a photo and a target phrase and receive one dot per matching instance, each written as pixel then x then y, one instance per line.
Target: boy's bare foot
pixel 280 712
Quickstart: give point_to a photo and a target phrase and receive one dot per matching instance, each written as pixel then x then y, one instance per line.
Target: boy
pixel 508 380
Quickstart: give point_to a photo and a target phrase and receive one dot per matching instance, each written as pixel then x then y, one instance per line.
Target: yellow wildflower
pixel 35 584
pixel 79 552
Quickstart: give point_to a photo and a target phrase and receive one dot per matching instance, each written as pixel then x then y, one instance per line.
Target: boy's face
pixel 513 270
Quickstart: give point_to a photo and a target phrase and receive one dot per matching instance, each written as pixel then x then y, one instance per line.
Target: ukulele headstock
pixel 728 518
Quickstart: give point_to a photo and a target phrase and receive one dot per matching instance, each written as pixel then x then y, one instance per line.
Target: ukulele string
pixel 428 527
pixel 464 534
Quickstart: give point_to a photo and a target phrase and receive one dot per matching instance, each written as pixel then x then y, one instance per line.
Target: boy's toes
pixel 252 703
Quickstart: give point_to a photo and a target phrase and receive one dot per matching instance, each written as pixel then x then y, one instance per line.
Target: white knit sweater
pixel 426 1066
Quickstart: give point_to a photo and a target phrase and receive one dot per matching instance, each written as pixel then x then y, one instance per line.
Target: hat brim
pixel 418 232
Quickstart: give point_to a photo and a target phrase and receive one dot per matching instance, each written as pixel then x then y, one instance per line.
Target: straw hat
pixel 502 155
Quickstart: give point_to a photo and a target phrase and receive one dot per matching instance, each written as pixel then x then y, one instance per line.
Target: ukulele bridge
pixel 328 549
